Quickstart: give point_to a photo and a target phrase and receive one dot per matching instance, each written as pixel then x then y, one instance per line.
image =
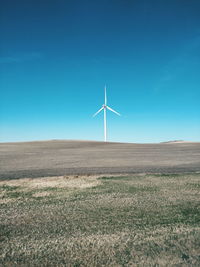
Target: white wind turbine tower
pixel 104 107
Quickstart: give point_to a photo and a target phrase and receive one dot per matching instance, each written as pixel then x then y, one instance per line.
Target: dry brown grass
pixel 138 220
pixel 58 182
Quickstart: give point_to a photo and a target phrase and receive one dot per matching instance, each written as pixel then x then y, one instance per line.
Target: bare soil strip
pixel 57 158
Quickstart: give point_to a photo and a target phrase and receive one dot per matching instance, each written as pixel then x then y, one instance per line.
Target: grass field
pixel 135 220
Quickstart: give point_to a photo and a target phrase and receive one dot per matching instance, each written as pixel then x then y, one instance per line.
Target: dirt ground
pixel 59 157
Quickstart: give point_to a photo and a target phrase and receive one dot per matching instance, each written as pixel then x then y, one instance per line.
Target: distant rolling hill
pixel 59 157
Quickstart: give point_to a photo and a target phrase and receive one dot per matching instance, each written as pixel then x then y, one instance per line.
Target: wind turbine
pixel 104 108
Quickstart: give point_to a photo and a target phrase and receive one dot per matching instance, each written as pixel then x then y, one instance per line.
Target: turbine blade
pixel 97 112
pixel 105 96
pixel 113 111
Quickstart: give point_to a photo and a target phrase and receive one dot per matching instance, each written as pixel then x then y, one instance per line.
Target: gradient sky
pixel 56 56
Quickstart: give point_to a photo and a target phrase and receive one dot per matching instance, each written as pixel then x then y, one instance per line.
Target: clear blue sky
pixel 56 56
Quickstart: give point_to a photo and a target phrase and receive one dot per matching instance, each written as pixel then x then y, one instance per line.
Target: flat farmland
pixel 78 203
pixel 54 158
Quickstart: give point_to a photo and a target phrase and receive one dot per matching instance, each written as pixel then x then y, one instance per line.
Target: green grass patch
pixel 115 178
pixel 8 188
pixel 193 185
